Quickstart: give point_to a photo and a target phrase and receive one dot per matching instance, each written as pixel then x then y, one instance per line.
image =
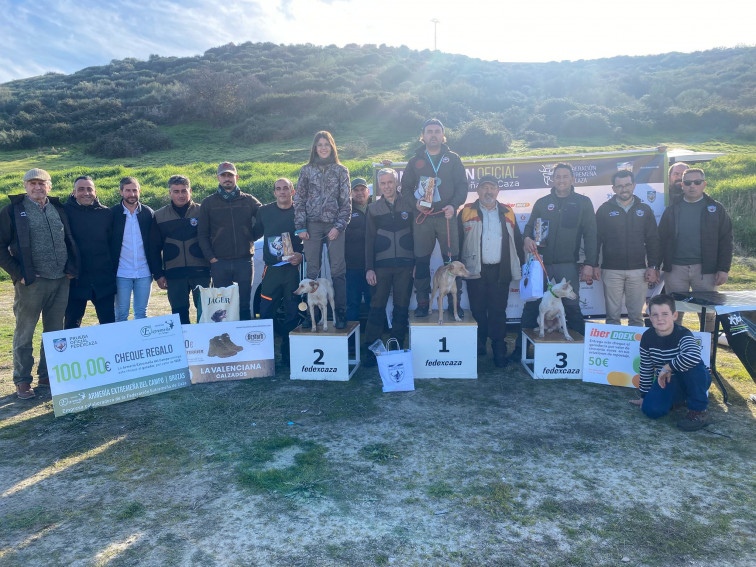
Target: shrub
pixel 481 137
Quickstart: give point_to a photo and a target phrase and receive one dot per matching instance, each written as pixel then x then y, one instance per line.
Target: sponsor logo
pixel 712 208
pixel 550 207
pixel 639 212
pixel 520 205
pixel 22 214
pixel 405 215
pixel 650 196
pixel 614 213
pixel 396 371
pixel 193 221
pixel 355 215
pixel 445 159
pixel 60 344
pixel 523 217
pixel 255 337
pixel 157 330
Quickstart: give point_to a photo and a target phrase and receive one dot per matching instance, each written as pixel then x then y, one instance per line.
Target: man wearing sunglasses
pixel 696 236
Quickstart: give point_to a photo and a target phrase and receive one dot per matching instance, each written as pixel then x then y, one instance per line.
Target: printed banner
pixel 233 350
pixel 107 364
pixel 612 353
pixel 524 180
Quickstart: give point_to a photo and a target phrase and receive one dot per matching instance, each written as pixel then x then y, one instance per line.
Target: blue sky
pixel 64 36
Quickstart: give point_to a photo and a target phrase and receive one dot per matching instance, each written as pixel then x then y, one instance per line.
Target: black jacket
pixel 92 229
pixel 571 219
pixel 144 217
pixel 174 246
pixel 716 236
pixel 627 239
pixel 225 227
pixel 453 187
pixel 354 245
pixel 388 240
pixel 15 241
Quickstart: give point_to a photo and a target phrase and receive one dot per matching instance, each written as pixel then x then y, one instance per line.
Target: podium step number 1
pixel 444 351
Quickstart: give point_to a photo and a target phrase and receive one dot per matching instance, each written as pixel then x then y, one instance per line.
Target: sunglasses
pixel 695 182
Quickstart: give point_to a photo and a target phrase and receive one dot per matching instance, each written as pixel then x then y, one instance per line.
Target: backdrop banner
pixel 524 180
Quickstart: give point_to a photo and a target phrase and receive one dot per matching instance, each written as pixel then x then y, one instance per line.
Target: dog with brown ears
pixel 319 294
pixel 551 311
pixel 445 282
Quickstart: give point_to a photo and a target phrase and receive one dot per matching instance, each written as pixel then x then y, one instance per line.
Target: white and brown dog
pixel 551 311
pixel 319 294
pixel 445 282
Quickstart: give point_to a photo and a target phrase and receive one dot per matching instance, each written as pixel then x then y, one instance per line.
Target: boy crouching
pixel 670 353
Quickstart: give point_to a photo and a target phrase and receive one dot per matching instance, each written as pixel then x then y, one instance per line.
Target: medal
pixel 302 306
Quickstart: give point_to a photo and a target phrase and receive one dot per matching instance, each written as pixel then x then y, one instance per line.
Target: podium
pixel 553 356
pixel 324 355
pixel 444 351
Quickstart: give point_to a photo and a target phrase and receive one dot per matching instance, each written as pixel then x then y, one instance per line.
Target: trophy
pixel 541 231
pixel 288 249
pixel 427 199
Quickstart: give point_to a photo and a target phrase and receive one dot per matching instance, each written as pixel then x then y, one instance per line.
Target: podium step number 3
pixel 552 357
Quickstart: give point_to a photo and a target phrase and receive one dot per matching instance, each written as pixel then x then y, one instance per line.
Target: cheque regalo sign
pixel 524 180
pixel 107 364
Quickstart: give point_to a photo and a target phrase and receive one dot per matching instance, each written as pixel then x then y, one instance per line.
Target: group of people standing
pixel 62 255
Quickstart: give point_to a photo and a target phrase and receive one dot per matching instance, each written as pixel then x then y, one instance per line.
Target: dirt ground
pixel 502 470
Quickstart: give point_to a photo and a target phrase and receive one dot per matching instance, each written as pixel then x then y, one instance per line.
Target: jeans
pixel 142 287
pixel 48 298
pixel 226 271
pixel 356 288
pixel 178 294
pixel 690 386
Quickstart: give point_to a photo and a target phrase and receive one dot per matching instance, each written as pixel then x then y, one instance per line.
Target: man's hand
pixel 213 260
pixel 420 208
pixel 721 277
pixel 652 276
pixel 586 274
pixel 304 235
pixel 448 211
pixel 24 283
pixel 597 274
pixel 370 277
pixel 333 234
pixel 664 377
pixel 162 282
pixel 295 259
pixel 70 276
pixel 529 245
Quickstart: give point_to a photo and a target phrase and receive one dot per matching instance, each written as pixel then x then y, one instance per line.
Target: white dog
pixel 319 294
pixel 551 311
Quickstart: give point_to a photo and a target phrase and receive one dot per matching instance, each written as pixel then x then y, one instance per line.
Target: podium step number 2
pixel 324 355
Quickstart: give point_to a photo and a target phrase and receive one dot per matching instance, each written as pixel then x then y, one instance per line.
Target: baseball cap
pixel 227 166
pixel 37 174
pixel 488 179
pixel 358 181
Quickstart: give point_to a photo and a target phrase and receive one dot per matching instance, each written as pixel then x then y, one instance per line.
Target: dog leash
pixel 420 219
pixel 537 256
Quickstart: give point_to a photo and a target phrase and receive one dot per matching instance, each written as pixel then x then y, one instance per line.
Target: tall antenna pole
pixel 435 34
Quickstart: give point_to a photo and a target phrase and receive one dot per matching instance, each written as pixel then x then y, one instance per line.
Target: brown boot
pixel 694 421
pixel 226 340
pixel 218 348
pixel 24 391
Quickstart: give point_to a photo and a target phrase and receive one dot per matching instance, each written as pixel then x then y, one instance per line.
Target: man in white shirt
pixel 131 231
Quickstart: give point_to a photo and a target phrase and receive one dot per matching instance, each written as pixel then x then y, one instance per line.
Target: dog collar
pixel 551 291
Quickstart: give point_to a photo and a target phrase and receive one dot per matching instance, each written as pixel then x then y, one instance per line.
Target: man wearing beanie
pixel 38 252
pixel 354 251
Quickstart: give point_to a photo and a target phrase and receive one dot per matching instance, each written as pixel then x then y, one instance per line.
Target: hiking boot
pixel 307 323
pixel 340 319
pixel 450 308
pixel 482 351
pixel 24 391
pixel 43 382
pixel 499 349
pixel 694 421
pixel 422 310
pixel 217 347
pixel 226 340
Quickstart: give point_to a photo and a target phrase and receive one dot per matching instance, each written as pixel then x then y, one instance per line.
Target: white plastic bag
pixel 218 304
pixel 395 367
pixel 531 284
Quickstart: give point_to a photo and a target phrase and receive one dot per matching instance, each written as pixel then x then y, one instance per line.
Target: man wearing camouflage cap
pixel 38 252
pixel 225 235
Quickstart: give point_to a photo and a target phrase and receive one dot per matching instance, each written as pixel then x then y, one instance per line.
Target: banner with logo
pixel 107 364
pixel 524 180
pixel 233 350
pixel 612 353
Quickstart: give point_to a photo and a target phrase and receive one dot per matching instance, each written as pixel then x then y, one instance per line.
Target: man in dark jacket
pixel 491 250
pixel 92 229
pixel 570 220
pixel 39 254
pixel 354 251
pixel 176 258
pixel 132 222
pixel 282 273
pixel 225 235
pixel 629 242
pixel 436 177
pixel 696 236
pixel 389 259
